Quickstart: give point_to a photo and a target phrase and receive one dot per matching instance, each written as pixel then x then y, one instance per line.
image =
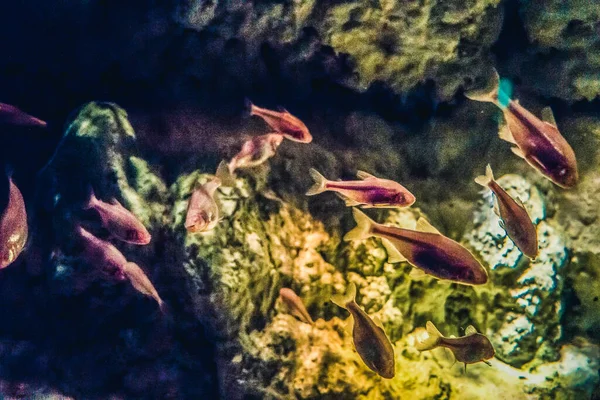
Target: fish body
pixel 283 122
pixel 369 192
pixel 140 281
pixel 102 253
pixel 295 305
pixel 12 115
pixel 203 211
pixel 119 221
pixel 472 348
pixel 13 226
pixel 514 217
pixel 537 141
pixel 424 248
pixel 370 340
pixel 253 153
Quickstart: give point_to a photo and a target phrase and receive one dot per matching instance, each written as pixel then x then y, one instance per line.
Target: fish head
pixel 474 275
pixel 296 131
pixel 200 222
pixel 404 198
pixel 138 236
pixel 564 175
pixel 386 370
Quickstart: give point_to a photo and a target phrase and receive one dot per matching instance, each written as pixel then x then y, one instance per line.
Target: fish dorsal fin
pixel 505 134
pixel 417 273
pixel 378 322
pixel 394 255
pixel 424 226
pixel 452 337
pixel 282 109
pixel 518 152
pixel 470 330
pixel 548 116
pixel 364 175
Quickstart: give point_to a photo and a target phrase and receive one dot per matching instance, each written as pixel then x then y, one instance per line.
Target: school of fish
pixel 537 141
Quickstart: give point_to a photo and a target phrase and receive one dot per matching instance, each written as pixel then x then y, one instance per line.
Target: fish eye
pixel 562 172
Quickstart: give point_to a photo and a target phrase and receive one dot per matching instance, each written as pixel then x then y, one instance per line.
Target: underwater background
pixel 142 101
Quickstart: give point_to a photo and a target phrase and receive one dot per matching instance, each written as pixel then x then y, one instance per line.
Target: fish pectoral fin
pixel 489 364
pixel 505 134
pixel 394 255
pixel 470 330
pixel 424 226
pixel 416 273
pixel 348 201
pixel 364 175
pixel 548 116
pixel 501 223
pixel 496 209
pixel 518 152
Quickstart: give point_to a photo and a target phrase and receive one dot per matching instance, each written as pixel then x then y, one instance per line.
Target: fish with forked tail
pixel 295 305
pixel 370 340
pixel 514 218
pixel 472 348
pixel 424 248
pixel 369 192
pixel 538 142
pixel 203 211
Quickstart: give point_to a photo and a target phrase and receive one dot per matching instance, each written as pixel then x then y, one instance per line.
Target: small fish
pixel 282 122
pixel 13 226
pixel 536 141
pixel 514 218
pixel 103 254
pixel 370 340
pixel 142 284
pixel 254 152
pixel 13 116
pixel 203 211
pixel 369 192
pixel 469 349
pixel 424 248
pixel 295 305
pixel 119 221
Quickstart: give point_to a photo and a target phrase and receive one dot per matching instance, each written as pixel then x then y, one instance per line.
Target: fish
pixel 472 348
pixel 102 254
pixel 514 218
pixel 282 122
pixel 253 153
pixel 369 192
pixel 13 116
pixel 119 221
pixel 295 305
pixel 140 281
pixel 13 226
pixel 424 248
pixel 203 211
pixel 537 141
pixel 371 343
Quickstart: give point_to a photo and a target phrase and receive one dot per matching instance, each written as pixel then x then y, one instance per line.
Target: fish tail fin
pixel 249 107
pixel 487 94
pixel 484 180
pixel 343 299
pixel 162 306
pixel 225 175
pixel 432 340
pixel 363 226
pixel 319 185
pixel 9 170
pixel 92 200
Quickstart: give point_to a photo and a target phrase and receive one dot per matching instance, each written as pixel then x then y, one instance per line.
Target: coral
pixel 400 44
pixel 564 57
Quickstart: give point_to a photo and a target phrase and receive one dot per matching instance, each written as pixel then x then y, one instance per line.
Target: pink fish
pixel 295 305
pixel 536 141
pixel 142 283
pixel 13 226
pixel 13 116
pixel 283 122
pixel 119 221
pixel 425 248
pixel 103 254
pixel 254 152
pixel 370 192
pixel 514 218
pixel 203 211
